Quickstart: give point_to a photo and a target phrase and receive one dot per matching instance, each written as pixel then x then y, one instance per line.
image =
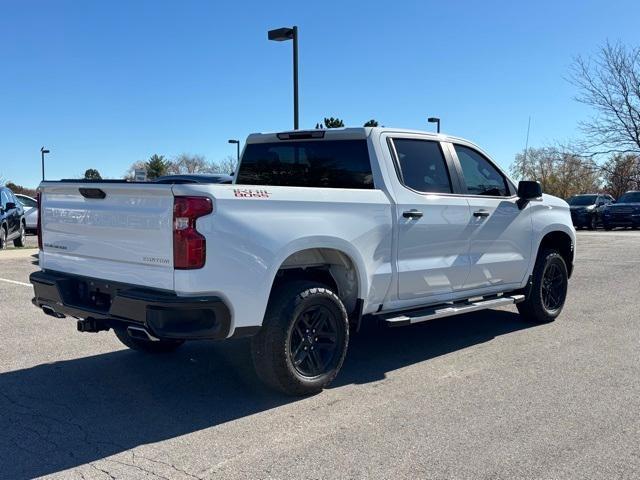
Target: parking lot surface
pixel 484 395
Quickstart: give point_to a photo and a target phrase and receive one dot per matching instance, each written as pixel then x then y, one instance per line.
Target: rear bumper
pixel 163 314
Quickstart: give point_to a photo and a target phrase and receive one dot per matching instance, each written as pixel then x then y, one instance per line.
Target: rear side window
pixel 481 177
pixel 321 163
pixel 422 165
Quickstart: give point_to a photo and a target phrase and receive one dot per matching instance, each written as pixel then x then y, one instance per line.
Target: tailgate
pixel 113 231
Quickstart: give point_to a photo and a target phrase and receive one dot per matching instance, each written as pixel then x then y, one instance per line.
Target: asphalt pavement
pixel 481 396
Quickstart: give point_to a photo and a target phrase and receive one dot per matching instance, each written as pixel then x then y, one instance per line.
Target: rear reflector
pixel 189 246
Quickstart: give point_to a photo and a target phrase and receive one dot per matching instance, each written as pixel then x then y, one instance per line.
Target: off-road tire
pixel 535 307
pixel 285 319
pixel 147 346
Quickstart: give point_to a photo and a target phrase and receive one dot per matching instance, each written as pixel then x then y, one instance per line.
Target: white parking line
pixel 15 282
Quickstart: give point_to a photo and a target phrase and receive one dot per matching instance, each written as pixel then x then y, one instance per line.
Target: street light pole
pixel 281 35
pixel 435 120
pixel 42 152
pixel 296 116
pixel 237 142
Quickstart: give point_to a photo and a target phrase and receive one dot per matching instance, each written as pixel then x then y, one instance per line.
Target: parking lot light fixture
pixel 42 152
pixel 281 35
pixel 435 120
pixel 237 142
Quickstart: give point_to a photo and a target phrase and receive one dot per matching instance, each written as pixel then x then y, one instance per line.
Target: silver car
pixel 30 206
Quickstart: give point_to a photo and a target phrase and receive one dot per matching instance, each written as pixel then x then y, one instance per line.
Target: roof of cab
pixel 345 133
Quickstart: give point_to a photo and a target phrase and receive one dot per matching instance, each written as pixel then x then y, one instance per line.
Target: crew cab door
pixel 500 234
pixel 433 223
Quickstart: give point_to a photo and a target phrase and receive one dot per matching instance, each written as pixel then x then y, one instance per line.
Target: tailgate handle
pixel 92 193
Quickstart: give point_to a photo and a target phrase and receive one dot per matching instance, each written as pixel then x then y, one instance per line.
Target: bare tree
pixel 131 172
pixel 227 165
pixel 187 163
pixel 610 83
pixel 621 173
pixel 561 172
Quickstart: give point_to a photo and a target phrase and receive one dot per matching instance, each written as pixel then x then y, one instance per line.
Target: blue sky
pixel 103 84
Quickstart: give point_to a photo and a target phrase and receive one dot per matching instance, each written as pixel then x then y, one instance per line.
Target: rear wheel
pixel 148 346
pixel 22 239
pixel 303 340
pixel 548 291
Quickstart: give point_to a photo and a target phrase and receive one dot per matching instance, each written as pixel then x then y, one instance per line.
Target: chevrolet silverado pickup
pixel 321 230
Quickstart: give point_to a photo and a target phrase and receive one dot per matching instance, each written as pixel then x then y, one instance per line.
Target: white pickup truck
pixel 321 230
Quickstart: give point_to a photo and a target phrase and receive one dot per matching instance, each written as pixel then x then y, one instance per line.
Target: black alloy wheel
pixel 553 287
pixel 314 343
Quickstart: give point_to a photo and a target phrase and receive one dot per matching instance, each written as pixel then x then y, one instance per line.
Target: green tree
pixel 371 123
pixel 156 166
pixel 92 174
pixel 333 122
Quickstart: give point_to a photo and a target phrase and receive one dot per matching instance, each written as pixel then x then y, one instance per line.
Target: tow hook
pixel 91 325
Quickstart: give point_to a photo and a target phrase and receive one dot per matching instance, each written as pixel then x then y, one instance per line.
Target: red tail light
pixel 39 226
pixel 189 246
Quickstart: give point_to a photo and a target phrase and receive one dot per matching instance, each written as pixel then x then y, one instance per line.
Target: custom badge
pixel 250 193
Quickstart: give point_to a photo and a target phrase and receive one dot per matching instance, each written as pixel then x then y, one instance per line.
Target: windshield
pixel 582 200
pixel 630 197
pixel 27 202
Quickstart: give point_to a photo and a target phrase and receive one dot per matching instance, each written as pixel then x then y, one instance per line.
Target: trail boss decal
pixel 250 193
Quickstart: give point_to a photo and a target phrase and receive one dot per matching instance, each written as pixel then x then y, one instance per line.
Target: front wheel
pixel 548 291
pixel 3 238
pixel 303 340
pixel 147 346
pixel 593 224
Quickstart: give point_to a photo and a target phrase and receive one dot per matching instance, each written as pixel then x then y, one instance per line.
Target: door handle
pixel 481 213
pixel 413 213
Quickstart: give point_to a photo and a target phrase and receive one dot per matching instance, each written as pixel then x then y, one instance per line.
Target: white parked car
pixel 30 206
pixel 321 230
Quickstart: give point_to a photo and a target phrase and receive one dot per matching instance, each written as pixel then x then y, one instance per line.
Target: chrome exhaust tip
pixel 49 310
pixel 141 333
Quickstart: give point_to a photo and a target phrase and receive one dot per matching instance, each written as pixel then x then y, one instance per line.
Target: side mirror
pixel 10 206
pixel 529 189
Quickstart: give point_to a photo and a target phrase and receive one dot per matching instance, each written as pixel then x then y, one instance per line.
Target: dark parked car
pixel 195 178
pixel 12 226
pixel 587 209
pixel 624 213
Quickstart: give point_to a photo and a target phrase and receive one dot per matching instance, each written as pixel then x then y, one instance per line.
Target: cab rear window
pixel 320 163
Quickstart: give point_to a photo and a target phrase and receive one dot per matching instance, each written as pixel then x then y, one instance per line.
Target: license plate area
pixel 90 294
